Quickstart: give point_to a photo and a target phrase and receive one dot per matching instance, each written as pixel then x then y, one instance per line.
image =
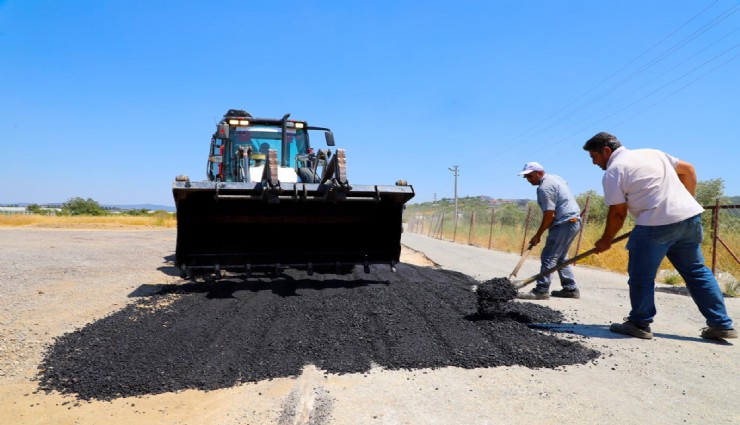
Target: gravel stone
pixel 199 335
pixel 494 298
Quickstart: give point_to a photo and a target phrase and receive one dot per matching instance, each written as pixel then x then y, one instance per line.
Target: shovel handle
pixel 566 263
pixel 521 261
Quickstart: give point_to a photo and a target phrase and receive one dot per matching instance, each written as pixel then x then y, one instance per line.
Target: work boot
pixel 566 293
pixel 632 329
pixel 534 295
pixel 714 333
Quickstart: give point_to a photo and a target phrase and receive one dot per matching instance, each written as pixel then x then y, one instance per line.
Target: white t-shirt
pixel 646 180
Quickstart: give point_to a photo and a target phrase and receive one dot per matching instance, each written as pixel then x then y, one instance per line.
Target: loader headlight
pixel 243 122
pixel 299 125
pixel 233 122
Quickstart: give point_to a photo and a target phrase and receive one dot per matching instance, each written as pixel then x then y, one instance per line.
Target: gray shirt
pixel 553 194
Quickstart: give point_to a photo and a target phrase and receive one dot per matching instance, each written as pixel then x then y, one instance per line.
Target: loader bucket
pixel 245 226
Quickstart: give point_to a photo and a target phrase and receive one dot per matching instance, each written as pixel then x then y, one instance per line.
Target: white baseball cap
pixel 531 166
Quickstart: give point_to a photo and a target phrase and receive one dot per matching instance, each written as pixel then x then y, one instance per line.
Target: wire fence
pixel 724 238
pixel 509 228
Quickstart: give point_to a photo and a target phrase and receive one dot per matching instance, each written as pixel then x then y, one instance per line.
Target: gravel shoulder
pixel 53 282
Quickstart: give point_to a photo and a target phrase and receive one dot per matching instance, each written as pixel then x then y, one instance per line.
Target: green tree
pixel 137 212
pixel 708 191
pixel 79 206
pixel 34 209
pixel 535 214
pixel 510 215
pixel 596 207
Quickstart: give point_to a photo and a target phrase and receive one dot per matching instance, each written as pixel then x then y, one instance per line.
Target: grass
pixel 732 289
pixel 510 238
pixel 671 277
pixel 88 222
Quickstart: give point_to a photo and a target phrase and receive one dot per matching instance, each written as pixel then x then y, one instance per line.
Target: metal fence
pixel 724 237
pixel 490 229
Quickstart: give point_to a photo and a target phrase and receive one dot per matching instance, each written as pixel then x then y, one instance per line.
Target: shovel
pixel 519 264
pixel 520 284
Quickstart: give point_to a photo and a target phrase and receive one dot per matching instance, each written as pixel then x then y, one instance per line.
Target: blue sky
pixel 111 100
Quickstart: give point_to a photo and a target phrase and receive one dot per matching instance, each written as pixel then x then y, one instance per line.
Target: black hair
pixel 600 141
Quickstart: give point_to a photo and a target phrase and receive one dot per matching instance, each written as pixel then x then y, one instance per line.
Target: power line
pixel 654 80
pixel 667 53
pixel 715 21
pixel 533 130
pixel 591 125
pixel 681 88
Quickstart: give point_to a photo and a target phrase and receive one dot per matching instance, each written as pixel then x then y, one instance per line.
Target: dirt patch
pixel 416 258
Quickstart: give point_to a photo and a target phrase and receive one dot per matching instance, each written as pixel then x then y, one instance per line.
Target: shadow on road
pixel 602 331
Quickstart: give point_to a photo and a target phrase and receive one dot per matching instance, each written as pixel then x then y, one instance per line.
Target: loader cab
pixel 229 140
pixel 262 138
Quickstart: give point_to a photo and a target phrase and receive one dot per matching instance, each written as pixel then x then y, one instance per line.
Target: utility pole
pixel 456 171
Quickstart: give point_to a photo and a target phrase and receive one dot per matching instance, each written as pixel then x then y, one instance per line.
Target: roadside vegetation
pixel 79 213
pixel 507 226
pixel 504 227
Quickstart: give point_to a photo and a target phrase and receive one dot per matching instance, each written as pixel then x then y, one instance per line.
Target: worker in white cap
pixel 561 218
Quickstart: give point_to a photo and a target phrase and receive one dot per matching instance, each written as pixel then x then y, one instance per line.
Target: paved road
pixel 52 282
pixel 675 378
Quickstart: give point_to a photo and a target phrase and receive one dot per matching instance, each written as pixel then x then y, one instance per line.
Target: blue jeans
pixel 559 238
pixel 681 243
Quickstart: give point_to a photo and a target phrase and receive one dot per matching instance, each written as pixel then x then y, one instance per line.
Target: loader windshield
pixel 263 138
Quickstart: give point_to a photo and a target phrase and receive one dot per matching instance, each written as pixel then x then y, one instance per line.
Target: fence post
pixel 472 224
pixel 431 225
pixel 715 228
pixel 526 227
pixel 584 217
pixel 441 226
pixel 490 232
pixel 454 233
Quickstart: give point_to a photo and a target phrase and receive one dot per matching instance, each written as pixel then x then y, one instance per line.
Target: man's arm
pixel 614 221
pixel 687 175
pixel 547 218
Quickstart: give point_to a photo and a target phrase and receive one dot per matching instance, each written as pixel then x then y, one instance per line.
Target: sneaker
pixel 632 329
pixel 566 293
pixel 534 295
pixel 714 333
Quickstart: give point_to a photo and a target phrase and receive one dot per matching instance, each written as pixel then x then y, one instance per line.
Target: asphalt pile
pixel 211 336
pixel 494 303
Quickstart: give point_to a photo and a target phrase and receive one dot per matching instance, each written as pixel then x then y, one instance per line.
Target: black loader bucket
pixel 250 227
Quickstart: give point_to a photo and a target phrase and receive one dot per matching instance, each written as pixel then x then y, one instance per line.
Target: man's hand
pixel 603 245
pixel 547 219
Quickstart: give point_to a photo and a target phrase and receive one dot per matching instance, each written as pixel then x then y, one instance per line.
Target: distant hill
pixel 151 207
pixel 467 202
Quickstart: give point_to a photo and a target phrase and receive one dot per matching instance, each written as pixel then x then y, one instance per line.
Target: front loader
pixel 271 202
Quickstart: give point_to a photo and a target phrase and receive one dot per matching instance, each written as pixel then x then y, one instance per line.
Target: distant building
pixel 13 210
